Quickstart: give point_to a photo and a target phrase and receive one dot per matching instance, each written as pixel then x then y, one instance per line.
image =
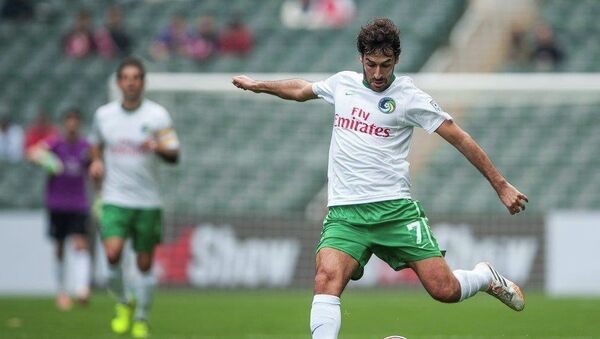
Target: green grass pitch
pixel 284 314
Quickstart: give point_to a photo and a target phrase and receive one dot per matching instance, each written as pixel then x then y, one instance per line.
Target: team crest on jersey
pixel 435 105
pixel 387 105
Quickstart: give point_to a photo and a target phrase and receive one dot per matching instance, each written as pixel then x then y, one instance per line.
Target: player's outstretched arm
pixel 292 89
pixel 97 164
pixel 508 194
pixel 96 168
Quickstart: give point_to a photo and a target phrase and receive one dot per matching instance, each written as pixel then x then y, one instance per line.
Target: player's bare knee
pixel 145 267
pixel 80 243
pixel 327 280
pixel 113 259
pixel 113 256
pixel 144 262
pixel 325 275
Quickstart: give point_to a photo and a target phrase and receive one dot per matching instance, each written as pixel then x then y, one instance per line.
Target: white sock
pixel 143 295
pixel 81 265
pixel 59 271
pixel 325 317
pixel 115 283
pixel 472 282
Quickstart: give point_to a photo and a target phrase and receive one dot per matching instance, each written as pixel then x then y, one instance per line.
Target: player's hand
pixel 245 83
pixel 97 169
pixel 512 198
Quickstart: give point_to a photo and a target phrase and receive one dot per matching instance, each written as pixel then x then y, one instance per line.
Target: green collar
pixel 129 111
pixel 366 84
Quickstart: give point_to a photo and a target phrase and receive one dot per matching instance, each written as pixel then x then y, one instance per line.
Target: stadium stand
pixel 533 146
pixel 266 163
pixel 575 28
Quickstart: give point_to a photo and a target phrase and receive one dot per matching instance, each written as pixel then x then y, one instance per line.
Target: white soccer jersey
pixel 371 136
pixel 131 178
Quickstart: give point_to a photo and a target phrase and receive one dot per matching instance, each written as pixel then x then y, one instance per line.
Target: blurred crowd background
pixel 258 168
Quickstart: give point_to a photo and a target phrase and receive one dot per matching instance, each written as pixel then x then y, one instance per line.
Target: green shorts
pixel 144 225
pixel 396 231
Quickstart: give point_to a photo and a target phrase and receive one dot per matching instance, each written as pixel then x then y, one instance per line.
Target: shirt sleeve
pixel 325 89
pixel 422 111
pixel 167 137
pixel 95 137
pixel 163 120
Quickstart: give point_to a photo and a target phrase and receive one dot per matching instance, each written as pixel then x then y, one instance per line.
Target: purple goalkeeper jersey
pixel 67 191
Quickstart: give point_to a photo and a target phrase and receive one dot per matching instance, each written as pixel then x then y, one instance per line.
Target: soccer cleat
pixel 503 289
pixel 140 329
pixel 122 320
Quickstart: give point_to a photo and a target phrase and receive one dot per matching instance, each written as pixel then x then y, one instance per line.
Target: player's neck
pixel 71 137
pixel 366 83
pixel 131 105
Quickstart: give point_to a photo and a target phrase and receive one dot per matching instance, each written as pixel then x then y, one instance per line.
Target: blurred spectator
pixel 315 14
pixel 546 54
pixel 79 41
pixel 236 38
pixel 202 42
pixel 172 39
pixel 112 40
pixel 20 10
pixel 336 13
pixel 11 141
pixel 519 51
pixel 41 130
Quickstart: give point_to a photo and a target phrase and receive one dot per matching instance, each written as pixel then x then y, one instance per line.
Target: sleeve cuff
pixel 437 124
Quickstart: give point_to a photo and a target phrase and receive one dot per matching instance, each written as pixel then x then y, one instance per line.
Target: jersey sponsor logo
pixel 127 147
pixel 358 121
pixel 387 105
pixel 435 105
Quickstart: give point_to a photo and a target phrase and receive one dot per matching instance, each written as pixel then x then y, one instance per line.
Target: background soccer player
pixel 66 158
pixel 128 138
pixel 370 207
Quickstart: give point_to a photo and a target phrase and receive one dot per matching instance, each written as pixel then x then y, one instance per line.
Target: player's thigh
pixel 334 270
pixel 343 235
pixel 116 221
pixel 147 230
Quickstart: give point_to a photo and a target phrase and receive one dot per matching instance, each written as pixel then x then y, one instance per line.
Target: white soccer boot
pixel 503 289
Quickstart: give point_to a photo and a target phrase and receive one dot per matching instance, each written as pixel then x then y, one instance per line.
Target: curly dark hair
pixel 379 36
pixel 131 61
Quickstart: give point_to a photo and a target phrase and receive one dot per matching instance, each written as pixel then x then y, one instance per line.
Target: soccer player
pixel 370 207
pixel 128 138
pixel 66 158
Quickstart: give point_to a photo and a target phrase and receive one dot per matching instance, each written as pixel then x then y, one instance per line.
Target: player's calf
pixel 446 293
